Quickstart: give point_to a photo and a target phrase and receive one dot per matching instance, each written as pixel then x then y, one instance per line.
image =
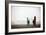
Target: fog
pixel 20 14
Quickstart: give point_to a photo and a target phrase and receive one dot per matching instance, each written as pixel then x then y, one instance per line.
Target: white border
pixel 25 29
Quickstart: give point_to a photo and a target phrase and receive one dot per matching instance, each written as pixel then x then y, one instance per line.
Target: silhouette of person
pixel 28 21
pixel 34 21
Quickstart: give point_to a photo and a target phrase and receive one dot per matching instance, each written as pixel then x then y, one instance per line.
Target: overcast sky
pixel 20 13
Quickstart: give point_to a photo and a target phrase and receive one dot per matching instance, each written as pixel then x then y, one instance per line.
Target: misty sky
pixel 20 14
